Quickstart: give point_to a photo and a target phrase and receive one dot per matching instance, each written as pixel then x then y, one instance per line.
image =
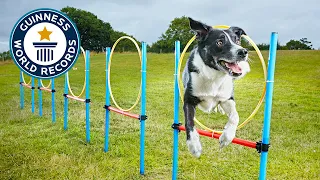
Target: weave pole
pixel 107 123
pixel 66 91
pixel 176 113
pixel 142 117
pixel 143 105
pixel 268 105
pixel 21 92
pixel 40 98
pixel 32 95
pixel 87 96
pixel 53 110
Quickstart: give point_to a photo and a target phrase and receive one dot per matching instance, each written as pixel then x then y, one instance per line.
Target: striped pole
pixel 52 101
pixel 21 92
pixel 40 98
pixel 65 120
pixel 87 96
pixel 32 95
pixel 176 113
pixel 143 106
pixel 106 135
pixel 268 105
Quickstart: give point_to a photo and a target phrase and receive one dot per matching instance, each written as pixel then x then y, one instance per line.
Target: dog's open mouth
pixel 233 68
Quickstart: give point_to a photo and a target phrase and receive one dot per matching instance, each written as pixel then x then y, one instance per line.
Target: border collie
pixel 208 77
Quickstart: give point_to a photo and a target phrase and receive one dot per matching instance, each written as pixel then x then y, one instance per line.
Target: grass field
pixel 31 147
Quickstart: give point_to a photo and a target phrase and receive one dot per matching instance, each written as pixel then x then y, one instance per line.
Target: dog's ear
pixel 201 29
pixel 238 31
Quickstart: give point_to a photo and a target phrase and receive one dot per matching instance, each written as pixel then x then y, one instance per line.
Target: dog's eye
pixel 219 43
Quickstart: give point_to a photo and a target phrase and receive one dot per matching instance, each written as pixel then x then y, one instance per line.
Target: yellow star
pixel 45 34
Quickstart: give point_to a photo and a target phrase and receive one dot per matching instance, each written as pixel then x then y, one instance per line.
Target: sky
pixel 146 20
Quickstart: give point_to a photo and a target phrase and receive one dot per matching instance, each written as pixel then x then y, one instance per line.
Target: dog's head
pixel 221 49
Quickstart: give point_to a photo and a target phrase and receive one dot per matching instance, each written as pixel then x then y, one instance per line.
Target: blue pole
pixel 87 96
pixel 65 121
pixel 40 98
pixel 106 135
pixel 268 104
pixel 32 94
pixel 176 113
pixel 143 105
pixel 52 101
pixel 21 92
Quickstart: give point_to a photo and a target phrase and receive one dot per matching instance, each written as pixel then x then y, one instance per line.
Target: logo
pixel 44 43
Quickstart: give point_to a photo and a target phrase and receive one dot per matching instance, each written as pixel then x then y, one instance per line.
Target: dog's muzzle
pixel 233 68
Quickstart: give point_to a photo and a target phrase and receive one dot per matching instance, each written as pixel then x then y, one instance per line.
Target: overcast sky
pixel 147 19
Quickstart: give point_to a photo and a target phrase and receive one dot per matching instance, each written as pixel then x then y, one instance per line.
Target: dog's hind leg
pixel 193 140
pixel 230 128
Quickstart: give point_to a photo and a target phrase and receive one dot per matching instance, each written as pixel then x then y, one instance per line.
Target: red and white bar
pixel 135 116
pixel 75 98
pixel 26 85
pixel 242 142
pixel 45 89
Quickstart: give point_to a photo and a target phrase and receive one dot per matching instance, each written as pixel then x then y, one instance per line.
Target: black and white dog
pixel 208 79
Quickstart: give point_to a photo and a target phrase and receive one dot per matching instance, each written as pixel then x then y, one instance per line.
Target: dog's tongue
pixel 234 67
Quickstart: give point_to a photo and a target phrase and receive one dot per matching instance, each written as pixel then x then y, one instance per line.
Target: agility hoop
pixel 24 79
pixel 264 72
pixel 84 84
pixel 109 69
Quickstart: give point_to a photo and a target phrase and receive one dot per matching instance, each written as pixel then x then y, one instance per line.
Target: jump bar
pixel 75 98
pixel 45 89
pixel 135 116
pixel 26 85
pixel 242 142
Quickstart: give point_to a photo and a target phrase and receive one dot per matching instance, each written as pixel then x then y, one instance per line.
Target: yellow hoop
pixel 109 69
pixel 84 84
pixel 264 72
pixel 45 86
pixel 25 81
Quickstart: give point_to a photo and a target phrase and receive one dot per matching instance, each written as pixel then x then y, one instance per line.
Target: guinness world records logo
pixel 44 43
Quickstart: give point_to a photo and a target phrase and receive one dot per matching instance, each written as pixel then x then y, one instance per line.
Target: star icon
pixel 45 34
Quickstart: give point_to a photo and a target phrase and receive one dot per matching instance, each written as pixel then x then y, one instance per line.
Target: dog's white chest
pixel 211 91
pixel 220 87
pixel 209 85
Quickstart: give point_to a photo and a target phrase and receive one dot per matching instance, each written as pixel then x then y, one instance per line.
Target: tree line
pixel 179 30
pixel 96 34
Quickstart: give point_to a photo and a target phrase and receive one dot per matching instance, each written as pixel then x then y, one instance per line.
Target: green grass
pixel 31 147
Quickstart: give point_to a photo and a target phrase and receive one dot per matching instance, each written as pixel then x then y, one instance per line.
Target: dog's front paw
pixel 194 144
pixel 227 136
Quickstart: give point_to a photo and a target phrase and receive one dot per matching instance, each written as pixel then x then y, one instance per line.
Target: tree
pixel 306 42
pixel 178 30
pixel 94 33
pixel 302 44
pixel 5 56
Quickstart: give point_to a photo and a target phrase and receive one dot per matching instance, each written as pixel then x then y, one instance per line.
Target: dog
pixel 208 79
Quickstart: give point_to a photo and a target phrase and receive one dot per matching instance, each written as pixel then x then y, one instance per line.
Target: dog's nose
pixel 242 53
